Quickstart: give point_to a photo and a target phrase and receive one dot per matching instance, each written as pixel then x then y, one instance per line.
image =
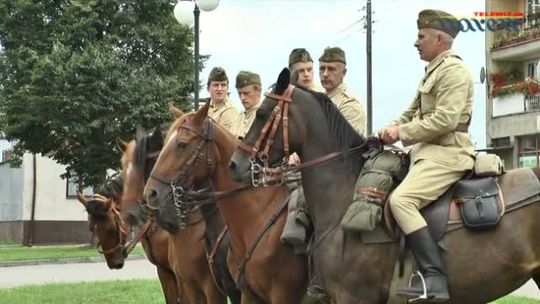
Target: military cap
pixel 217 74
pixel 332 54
pixel 438 20
pixel 245 78
pixel 299 55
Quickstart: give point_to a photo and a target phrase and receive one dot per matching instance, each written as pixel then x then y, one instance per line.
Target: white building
pixel 37 206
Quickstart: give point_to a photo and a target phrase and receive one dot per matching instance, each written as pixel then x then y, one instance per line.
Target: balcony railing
pixel 532 102
pixel 530 30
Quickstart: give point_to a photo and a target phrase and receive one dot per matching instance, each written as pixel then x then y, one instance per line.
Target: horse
pixel 482 266
pixel 105 222
pixel 183 254
pixel 197 149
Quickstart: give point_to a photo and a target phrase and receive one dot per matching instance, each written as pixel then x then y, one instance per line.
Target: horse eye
pixel 182 145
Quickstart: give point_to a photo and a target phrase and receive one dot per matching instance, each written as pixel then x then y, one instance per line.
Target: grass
pixel 52 252
pixel 118 292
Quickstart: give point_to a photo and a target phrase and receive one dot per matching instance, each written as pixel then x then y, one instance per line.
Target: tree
pixel 74 75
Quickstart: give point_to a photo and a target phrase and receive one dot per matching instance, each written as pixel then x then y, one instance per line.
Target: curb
pixel 96 259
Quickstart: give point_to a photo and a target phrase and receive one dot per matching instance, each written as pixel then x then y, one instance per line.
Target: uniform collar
pixel 219 106
pixel 252 109
pixel 437 60
pixel 340 88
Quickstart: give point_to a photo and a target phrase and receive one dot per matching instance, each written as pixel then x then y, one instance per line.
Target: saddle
pixel 516 188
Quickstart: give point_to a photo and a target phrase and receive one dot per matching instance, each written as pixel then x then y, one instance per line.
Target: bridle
pixel 265 175
pixel 182 181
pixel 119 223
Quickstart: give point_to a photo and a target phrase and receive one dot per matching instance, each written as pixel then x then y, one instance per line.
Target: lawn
pixel 117 292
pixel 18 253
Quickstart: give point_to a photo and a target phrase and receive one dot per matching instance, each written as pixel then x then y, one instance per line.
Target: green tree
pixel 76 74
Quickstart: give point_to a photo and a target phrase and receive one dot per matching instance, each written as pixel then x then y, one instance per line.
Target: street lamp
pixel 182 13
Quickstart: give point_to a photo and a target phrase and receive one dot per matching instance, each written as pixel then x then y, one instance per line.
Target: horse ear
pixel 284 79
pixel 122 145
pixel 175 111
pixel 201 114
pixel 157 137
pixel 82 199
pixel 140 133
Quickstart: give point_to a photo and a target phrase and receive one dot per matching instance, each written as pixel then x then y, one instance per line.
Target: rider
pixel 248 85
pixel 332 70
pixel 436 124
pixel 221 109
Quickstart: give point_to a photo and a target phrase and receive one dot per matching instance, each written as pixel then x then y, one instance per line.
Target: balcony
pixel 519 45
pixel 515 103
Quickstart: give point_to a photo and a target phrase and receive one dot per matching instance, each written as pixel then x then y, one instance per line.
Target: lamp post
pixel 182 13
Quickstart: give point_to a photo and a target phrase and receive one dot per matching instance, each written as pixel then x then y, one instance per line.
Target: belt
pixel 462 127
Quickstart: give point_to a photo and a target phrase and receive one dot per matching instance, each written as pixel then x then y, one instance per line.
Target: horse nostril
pixel 232 165
pixel 151 196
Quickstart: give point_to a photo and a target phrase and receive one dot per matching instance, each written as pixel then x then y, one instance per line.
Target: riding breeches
pixel 425 182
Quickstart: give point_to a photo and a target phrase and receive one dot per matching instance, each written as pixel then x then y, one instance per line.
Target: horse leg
pixel 168 284
pixel 192 293
pixel 212 293
pixel 245 299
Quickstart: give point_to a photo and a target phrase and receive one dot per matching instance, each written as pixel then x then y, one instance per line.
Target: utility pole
pixel 368 66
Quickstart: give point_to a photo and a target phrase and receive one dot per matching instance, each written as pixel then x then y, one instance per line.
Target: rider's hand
pixel 389 135
pixel 294 160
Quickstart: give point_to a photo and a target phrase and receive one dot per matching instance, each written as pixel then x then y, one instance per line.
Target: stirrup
pixel 423 297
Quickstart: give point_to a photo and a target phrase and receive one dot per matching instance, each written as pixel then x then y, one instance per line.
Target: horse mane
pixel 112 187
pixel 343 136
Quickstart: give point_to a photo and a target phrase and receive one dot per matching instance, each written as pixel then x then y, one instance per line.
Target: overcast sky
pixel 258 35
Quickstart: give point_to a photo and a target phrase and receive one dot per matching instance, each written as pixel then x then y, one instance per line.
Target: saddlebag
pixel 480 202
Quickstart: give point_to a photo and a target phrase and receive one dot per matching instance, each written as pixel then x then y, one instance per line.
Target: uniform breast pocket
pixel 428 95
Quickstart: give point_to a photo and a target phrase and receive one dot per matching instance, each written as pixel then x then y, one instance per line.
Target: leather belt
pixel 462 127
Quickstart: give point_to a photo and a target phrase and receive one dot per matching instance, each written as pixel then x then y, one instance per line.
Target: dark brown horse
pixel 482 266
pixel 197 149
pixel 183 253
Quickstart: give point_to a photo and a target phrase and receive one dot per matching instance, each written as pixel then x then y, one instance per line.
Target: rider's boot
pixel 431 268
pixel 294 231
pixel 315 292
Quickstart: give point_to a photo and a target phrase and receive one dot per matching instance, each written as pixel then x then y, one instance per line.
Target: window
pixel 72 185
pixel 501 142
pixel 529 151
pixel 533 12
pixel 531 69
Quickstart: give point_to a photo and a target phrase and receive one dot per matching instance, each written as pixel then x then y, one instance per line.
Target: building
pixel 513 72
pixel 37 206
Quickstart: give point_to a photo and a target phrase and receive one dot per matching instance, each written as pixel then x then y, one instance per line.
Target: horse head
pixel 105 223
pixel 138 159
pixel 183 164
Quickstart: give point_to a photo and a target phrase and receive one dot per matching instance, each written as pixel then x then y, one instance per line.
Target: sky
pixel 258 35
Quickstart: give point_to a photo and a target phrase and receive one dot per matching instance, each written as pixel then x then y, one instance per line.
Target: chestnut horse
pixel 482 266
pixel 183 253
pixel 196 150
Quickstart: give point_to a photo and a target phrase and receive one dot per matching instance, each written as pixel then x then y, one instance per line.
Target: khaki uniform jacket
pixel 243 121
pixel 317 88
pixel 349 106
pixel 444 99
pixel 224 114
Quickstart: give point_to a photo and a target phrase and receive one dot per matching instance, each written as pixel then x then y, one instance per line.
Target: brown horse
pixel 105 223
pixel 197 149
pixel 482 266
pixel 182 254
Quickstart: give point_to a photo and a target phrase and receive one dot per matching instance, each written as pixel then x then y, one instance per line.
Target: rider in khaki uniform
pixel 301 66
pixel 248 85
pixel 332 70
pixel 221 109
pixel 435 124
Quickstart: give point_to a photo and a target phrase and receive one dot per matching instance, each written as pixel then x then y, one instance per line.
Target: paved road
pixel 77 272
pixel 134 269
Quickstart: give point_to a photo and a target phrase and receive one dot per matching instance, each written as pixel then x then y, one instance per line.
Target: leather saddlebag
pixel 480 202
